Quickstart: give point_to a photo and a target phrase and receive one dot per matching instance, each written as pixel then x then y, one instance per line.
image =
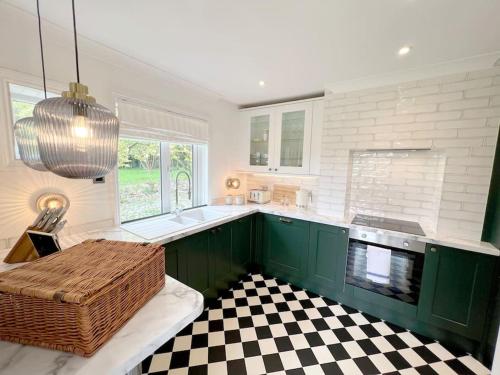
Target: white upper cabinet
pixel 279 138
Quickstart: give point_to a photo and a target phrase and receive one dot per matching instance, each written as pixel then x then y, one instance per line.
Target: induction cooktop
pixel 396 225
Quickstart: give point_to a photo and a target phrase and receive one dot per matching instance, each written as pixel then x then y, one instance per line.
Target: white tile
pixel 382 344
pixel 301 295
pixel 242 311
pixel 290 360
pixel 410 339
pixel 383 328
pixel 255 364
pixel 259 320
pixel 278 330
pixel 299 341
pixel 253 301
pixel 200 327
pixel 287 316
pixel 230 324
pixel 217 368
pixel 182 343
pixel 263 291
pixel 247 334
pixel 294 305
pixel 160 362
pixel 382 363
pixel 306 326
pixel 270 282
pixel 356 333
pixel 409 371
pixel 234 351
pixel 239 293
pixel 333 322
pixel 338 310
pixel 313 370
pixel 313 313
pixel 215 314
pixel 228 303
pixel 322 354
pixel 474 365
pixel 268 346
pixel 359 319
pixel 412 357
pixel 249 285
pixel 442 368
pixel 277 298
pixel 285 289
pixel 257 277
pixel 328 337
pixel 348 366
pixel 318 302
pixel 216 338
pixel 269 308
pixel 353 348
pixel 198 356
pixel 179 371
pixel 440 352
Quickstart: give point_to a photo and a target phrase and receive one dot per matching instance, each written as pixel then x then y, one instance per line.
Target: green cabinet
pixel 455 290
pixel 220 257
pixel 171 261
pixel 241 248
pixel 286 248
pixel 327 259
pixel 192 254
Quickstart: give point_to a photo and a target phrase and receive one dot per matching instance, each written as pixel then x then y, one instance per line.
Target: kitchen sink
pixel 203 214
pixel 184 221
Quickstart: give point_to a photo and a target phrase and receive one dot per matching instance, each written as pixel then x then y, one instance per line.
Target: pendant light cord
pixel 76 42
pixel 41 47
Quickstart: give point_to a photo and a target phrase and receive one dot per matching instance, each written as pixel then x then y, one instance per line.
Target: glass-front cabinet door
pixel 293 141
pixel 261 146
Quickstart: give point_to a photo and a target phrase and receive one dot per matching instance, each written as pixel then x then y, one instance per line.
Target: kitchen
pixel 339 221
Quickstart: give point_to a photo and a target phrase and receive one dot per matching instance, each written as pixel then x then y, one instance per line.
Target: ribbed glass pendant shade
pixel 27 143
pixel 77 137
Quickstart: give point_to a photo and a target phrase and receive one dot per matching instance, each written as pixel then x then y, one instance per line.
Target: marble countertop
pixel 167 313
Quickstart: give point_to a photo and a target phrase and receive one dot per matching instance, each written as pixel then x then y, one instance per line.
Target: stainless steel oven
pixel 385 264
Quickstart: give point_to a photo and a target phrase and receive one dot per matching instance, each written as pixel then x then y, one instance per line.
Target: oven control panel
pixel 382 238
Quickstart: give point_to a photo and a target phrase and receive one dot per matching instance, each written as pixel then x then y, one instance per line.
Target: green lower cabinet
pixel 327 259
pixel 455 290
pixel 193 261
pixel 220 257
pixel 286 248
pixel 241 248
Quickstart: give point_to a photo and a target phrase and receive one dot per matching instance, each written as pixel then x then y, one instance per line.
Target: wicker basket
pixel 77 299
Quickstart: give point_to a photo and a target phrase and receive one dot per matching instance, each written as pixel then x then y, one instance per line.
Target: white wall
pixel 107 73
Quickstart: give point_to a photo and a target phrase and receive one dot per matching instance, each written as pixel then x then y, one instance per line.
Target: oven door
pixel 385 270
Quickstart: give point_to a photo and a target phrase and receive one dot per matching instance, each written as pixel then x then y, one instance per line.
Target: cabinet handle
pixel 219 229
pixel 276 169
pixel 286 221
pixel 270 169
pixel 213 231
pixel 433 249
pixel 343 231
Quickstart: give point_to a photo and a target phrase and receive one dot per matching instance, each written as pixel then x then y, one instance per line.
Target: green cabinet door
pixel 241 248
pixel 220 257
pixel 286 247
pixel 455 290
pixel 327 259
pixel 193 261
pixel 171 261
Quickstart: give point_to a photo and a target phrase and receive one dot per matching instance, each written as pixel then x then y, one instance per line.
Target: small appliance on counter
pixel 303 198
pixel 260 196
pixel 239 199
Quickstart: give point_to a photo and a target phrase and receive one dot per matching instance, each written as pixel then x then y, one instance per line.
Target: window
pixel 157 177
pixel 23 100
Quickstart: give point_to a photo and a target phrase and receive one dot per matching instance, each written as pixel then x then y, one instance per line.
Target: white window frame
pixel 7 140
pixel 199 179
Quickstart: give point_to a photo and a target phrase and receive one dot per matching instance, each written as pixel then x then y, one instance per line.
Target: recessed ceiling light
pixel 262 83
pixel 405 50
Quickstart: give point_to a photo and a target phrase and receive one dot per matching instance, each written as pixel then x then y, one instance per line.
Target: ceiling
pixel 295 46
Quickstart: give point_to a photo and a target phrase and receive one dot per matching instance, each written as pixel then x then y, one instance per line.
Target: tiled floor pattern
pixel 265 326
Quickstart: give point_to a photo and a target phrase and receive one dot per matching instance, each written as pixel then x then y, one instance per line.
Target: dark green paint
pixel 241 256
pixel 286 247
pixel 456 288
pixel 327 259
pixel 220 257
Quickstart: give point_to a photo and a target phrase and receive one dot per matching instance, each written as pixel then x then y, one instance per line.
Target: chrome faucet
pixel 177 187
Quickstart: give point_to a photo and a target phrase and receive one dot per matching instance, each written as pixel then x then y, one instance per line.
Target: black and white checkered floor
pixel 265 326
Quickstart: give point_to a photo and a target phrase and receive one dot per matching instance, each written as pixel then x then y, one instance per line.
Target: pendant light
pixel 24 129
pixel 77 137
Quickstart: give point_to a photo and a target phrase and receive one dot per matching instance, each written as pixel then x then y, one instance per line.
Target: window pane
pixel 181 176
pixel 23 100
pixel 139 179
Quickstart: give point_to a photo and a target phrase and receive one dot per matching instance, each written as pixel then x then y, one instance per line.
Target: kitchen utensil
pixel 239 199
pixel 303 198
pixel 259 196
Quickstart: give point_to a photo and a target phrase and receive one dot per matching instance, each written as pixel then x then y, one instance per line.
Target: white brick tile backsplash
pixel 488 91
pixel 400 119
pixel 465 104
pixel 481 113
pixel 439 116
pixel 439 98
pixel 459 124
pixel 466 85
pixel 419 91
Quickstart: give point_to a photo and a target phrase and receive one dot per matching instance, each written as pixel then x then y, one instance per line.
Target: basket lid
pixel 78 273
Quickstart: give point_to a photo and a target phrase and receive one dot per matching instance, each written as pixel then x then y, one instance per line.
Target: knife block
pixel 23 250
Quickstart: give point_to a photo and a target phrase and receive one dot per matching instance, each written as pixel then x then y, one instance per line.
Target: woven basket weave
pixel 77 299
